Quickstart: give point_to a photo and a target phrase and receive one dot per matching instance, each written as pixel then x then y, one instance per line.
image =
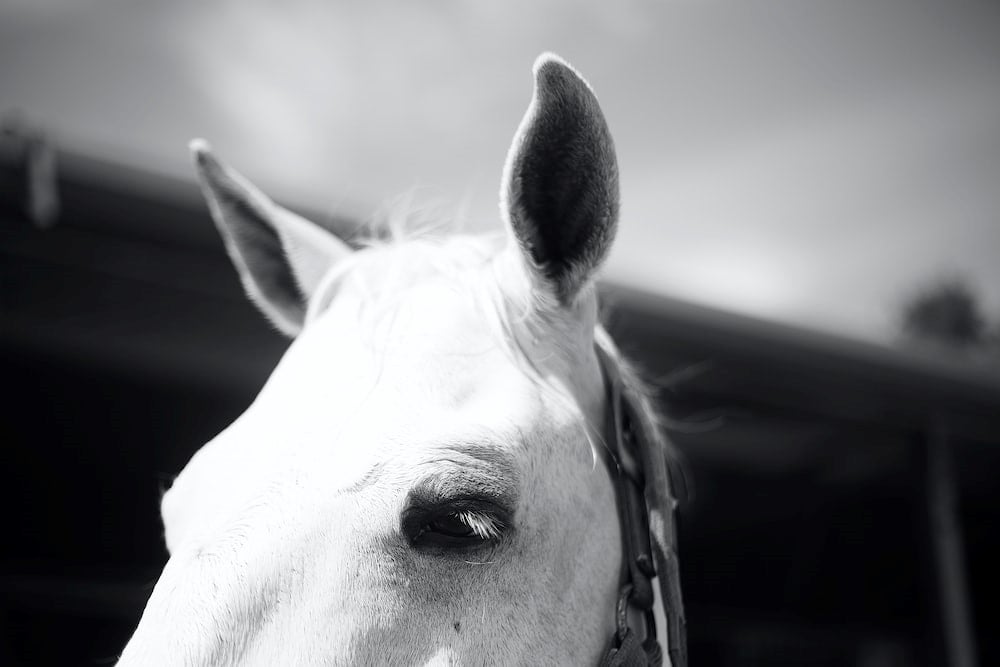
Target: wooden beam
pixel 947 552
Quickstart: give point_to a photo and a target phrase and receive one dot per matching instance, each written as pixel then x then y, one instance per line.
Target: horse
pixel 447 464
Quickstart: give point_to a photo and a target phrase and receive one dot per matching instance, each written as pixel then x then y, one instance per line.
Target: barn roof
pixel 133 237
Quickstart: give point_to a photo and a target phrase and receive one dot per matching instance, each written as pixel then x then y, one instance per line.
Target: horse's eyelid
pixel 456 505
pixel 421 510
pixel 456 491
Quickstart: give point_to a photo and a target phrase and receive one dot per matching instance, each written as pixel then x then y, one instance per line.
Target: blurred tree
pixel 948 313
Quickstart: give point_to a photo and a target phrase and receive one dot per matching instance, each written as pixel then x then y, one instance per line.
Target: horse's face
pixel 417 482
pixel 406 496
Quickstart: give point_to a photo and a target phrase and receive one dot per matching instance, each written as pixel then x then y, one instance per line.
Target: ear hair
pixel 560 185
pixel 280 256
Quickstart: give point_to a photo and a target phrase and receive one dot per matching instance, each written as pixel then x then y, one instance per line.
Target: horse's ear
pixel 280 256
pixel 560 183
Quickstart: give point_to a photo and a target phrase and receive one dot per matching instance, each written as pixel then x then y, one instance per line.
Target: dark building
pixel 842 496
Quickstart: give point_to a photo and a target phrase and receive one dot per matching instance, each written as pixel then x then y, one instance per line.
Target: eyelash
pixel 455 525
pixel 485 526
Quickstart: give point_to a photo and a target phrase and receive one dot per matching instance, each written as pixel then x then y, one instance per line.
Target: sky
pixel 804 162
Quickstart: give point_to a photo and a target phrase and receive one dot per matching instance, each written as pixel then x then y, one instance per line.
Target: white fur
pixel 418 362
pixel 274 560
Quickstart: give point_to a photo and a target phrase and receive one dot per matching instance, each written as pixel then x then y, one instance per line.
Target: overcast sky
pixel 805 162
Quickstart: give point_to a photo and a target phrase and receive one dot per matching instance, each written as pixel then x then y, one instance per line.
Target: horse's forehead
pixel 433 342
pixel 418 372
pixel 355 387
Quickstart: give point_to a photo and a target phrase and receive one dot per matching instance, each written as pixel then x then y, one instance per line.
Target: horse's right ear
pixel 560 185
pixel 281 257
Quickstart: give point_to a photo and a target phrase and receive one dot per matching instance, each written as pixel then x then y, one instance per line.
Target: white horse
pixel 422 479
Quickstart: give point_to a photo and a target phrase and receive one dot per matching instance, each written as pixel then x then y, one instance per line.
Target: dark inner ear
pixel 262 249
pixel 256 245
pixel 279 255
pixel 563 183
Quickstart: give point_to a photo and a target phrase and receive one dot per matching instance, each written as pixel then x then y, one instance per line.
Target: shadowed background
pixel 792 173
pixel 808 162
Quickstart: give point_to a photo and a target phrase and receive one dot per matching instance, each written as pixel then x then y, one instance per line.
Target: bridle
pixel 645 503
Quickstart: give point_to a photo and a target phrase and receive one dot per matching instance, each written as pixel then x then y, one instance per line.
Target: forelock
pixel 414 245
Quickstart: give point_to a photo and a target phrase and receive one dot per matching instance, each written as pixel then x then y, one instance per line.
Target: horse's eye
pixel 464 525
pixel 452 525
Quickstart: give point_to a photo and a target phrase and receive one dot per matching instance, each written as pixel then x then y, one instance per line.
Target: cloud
pixel 804 162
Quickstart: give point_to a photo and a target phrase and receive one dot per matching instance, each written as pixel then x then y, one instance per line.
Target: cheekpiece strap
pixel 645 508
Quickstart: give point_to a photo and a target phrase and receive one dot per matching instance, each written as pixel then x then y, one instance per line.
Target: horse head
pixel 420 480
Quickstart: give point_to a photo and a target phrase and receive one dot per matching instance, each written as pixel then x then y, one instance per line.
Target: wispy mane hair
pixel 435 243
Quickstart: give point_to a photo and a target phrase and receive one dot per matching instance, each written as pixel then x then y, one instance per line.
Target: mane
pixel 435 242
pixel 651 420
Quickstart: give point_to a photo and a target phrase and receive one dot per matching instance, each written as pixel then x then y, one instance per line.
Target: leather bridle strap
pixel 645 503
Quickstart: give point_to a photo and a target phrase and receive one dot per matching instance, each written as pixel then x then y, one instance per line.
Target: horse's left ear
pixel 560 183
pixel 281 257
